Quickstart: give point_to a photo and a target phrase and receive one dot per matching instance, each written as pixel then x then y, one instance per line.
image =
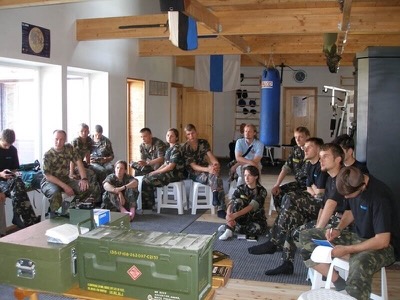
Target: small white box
pixel 101 216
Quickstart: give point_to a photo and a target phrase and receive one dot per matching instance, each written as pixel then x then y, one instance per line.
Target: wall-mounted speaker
pixel 172 5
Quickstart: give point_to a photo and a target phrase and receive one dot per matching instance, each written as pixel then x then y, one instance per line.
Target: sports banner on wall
pixel 217 73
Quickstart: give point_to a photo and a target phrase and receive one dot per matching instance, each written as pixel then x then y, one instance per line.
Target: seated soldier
pixel 375 242
pixel 245 212
pixel 297 208
pixel 152 152
pixel 172 170
pixel 56 181
pixel 295 164
pixel 101 155
pixel 12 185
pixel 203 166
pixel 83 145
pixel 121 191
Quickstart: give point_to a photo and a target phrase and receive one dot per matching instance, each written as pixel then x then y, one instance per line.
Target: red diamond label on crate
pixel 134 272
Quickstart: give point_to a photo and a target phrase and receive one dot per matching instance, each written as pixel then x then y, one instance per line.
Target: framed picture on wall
pixel 35 40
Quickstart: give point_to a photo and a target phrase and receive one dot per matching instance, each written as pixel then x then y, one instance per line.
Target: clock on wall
pixel 300 76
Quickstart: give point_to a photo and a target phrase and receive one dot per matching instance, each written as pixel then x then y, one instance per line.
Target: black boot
pixel 16 220
pixel 215 200
pixel 266 248
pixel 340 284
pixel 285 268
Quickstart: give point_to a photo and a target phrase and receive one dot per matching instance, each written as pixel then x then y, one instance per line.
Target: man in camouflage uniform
pixel 12 185
pixel 295 164
pixel 101 155
pixel 152 152
pixel 375 242
pixel 297 208
pixel 56 179
pixel 203 166
pixel 83 145
pixel 172 170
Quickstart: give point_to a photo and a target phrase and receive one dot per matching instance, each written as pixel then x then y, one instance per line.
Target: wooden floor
pixel 249 290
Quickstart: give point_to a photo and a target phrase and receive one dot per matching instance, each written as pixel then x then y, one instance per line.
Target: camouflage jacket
pixel 57 163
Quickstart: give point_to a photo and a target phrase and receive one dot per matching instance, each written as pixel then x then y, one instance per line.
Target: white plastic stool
pixel 139 199
pixel 201 190
pixel 46 204
pixel 324 294
pixel 178 192
pixel 344 265
pixel 271 205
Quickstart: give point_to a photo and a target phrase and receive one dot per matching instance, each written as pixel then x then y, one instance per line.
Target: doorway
pixel 300 108
pixel 136 117
pixel 196 107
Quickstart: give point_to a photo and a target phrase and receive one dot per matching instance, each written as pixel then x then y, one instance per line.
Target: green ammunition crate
pixel 145 265
pixel 121 220
pixel 27 260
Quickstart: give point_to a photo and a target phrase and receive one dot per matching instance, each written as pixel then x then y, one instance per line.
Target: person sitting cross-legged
pixel 121 191
pixel 245 213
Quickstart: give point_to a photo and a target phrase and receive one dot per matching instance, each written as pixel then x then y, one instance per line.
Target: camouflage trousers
pixel 15 189
pixel 102 171
pixel 93 183
pixel 54 193
pixel 150 182
pixel 297 209
pixel 293 186
pixel 213 181
pixel 363 265
pixel 111 201
pixel 141 171
pixel 247 224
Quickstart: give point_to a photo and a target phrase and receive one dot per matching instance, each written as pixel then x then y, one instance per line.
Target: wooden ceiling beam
pixel 237 42
pixel 134 27
pixel 292 60
pixel 377 20
pixel 194 9
pixel 289 44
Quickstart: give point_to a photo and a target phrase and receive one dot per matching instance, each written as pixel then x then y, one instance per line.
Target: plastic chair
pixel 205 202
pixel 344 265
pixel 178 192
pixel 324 294
pixel 139 199
pixel 271 205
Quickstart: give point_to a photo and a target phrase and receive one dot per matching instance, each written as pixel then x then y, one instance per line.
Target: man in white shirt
pixel 248 151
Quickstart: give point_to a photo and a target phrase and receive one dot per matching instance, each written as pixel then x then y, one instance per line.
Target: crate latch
pixel 25 268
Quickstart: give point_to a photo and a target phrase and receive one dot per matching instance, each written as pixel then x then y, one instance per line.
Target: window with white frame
pixel 20 109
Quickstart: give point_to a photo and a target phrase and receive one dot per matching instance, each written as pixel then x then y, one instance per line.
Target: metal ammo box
pixel 27 260
pixel 145 265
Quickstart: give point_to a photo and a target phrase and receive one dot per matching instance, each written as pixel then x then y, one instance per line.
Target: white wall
pixel 119 58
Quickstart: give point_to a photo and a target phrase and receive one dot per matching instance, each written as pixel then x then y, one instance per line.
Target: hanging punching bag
pixel 270 107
